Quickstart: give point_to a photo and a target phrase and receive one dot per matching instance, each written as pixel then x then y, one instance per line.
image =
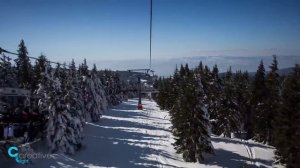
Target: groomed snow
pixel 126 137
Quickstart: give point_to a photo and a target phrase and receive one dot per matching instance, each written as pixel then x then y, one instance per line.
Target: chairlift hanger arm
pixel 134 70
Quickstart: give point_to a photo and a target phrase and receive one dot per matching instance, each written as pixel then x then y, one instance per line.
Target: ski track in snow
pixel 249 151
pixel 127 137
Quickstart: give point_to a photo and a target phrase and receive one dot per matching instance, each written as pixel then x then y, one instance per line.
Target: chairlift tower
pixel 145 72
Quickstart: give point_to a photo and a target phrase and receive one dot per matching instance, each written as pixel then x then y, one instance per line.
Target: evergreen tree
pixel 84 68
pixel 182 71
pixel 242 94
pixel 207 78
pixel 173 86
pixel 112 85
pixel 273 98
pixel 7 73
pixel 189 111
pixel 179 117
pixel 214 97
pixel 38 69
pixel 72 69
pixel 258 105
pixel 200 123
pixel 64 127
pixel 212 88
pixel 228 117
pixel 67 97
pixel 94 70
pixel 158 85
pixel 61 73
pixel 166 95
pixel 287 122
pixel 95 100
pixel 200 67
pixel 215 70
pixel 23 66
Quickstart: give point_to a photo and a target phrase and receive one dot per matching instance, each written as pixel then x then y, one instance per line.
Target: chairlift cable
pixel 5 51
pixel 150 49
pixel 150 34
pixel 9 52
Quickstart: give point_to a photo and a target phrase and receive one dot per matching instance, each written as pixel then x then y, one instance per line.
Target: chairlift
pixel 11 128
pixel 15 96
pixel 147 74
pixel 145 78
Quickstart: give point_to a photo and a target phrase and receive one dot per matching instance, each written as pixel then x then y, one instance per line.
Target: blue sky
pixel 119 29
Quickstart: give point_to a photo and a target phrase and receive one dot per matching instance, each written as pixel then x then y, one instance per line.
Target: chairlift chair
pixel 145 79
pixel 10 99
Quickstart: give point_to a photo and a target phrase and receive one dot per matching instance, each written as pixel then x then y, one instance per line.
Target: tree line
pixel 65 95
pixel 202 101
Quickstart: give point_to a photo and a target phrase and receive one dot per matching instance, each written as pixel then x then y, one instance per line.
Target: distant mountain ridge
pixel 166 67
pixel 281 72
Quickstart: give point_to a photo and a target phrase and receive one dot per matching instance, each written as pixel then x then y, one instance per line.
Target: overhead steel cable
pixel 5 51
pixel 150 35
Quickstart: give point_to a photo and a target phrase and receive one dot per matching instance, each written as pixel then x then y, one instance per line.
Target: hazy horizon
pixel 166 67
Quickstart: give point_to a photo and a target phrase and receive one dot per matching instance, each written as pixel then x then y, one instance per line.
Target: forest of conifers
pixel 264 107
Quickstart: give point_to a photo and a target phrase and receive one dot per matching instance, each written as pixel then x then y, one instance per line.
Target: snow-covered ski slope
pixel 126 137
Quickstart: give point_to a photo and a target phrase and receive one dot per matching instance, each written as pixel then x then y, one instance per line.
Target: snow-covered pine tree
pixel 73 90
pixel 101 93
pixel 99 88
pixel 23 66
pixel 287 122
pixel 200 124
pixel 77 87
pixel 228 117
pixel 123 90
pixel 95 100
pixel 7 73
pixel 112 85
pixel 117 89
pixel 61 73
pixel 38 69
pixel 212 90
pixel 106 81
pixel 62 125
pixel 75 107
